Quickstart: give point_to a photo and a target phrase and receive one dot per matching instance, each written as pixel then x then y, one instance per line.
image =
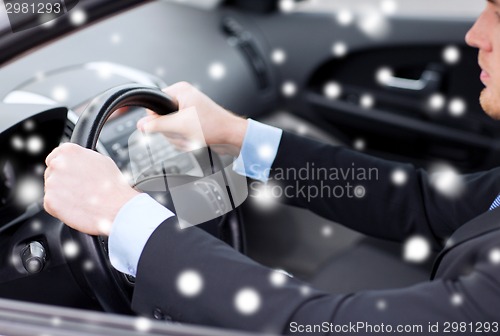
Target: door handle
pixel 429 81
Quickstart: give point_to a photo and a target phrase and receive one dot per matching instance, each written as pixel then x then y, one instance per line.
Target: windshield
pixel 4 20
pixel 427 8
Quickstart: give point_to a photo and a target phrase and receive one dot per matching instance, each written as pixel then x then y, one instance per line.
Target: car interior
pixel 405 92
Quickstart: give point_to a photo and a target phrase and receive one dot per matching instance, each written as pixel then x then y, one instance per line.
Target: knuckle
pixel 55 165
pixel 48 204
pixel 184 86
pixel 69 148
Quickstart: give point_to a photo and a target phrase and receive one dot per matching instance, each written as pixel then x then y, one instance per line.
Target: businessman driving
pixel 230 290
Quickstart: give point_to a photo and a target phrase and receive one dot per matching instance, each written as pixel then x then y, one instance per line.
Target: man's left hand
pixel 84 189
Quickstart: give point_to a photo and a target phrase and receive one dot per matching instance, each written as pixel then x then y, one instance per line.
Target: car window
pixel 4 20
pixel 427 8
pixel 206 4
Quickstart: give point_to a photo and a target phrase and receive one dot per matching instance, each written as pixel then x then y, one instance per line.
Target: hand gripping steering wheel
pixel 112 289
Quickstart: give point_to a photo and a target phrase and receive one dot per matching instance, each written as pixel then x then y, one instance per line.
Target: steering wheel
pixel 112 289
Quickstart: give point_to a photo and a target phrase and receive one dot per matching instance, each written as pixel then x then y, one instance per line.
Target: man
pixel 204 281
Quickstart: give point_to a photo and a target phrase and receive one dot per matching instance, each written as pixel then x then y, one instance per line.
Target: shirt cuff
pixel 258 151
pixel 134 224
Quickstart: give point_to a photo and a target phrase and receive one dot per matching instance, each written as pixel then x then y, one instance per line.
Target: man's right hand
pixel 199 121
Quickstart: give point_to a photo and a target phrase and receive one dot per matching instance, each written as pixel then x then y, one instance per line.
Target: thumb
pixel 171 123
pixel 143 121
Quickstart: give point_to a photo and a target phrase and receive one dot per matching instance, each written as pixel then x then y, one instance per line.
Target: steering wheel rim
pixel 92 120
pixel 103 282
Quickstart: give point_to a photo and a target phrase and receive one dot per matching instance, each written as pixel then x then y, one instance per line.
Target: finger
pixel 47 174
pixel 151 112
pixel 141 122
pixel 177 90
pixel 52 156
pixel 171 123
pixel 180 144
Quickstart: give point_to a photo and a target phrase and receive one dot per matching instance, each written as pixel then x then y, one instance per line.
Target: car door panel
pixel 412 47
pixel 401 124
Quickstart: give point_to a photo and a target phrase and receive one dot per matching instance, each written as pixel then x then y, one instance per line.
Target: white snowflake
pixel 190 283
pixel 160 199
pixel 494 256
pixel 416 249
pixel 105 71
pixel 388 7
pixel 36 225
pixel 34 144
pixel 127 177
pixel 160 71
pixel 345 17
pixel 104 225
pixel 332 90
pixel 78 17
pixel 446 180
pixel 39 76
pixel 29 190
pixel 373 24
pixel 264 195
pixel 457 299
pixel 15 260
pixel 56 321
pixel 437 102
pixel 381 304
pixel 451 54
pixel 327 231
pixel 29 125
pixel 278 278
pixel 305 290
pixel 247 301
pixel 116 38
pixel 265 151
pixel 359 144
pixel 339 49
pixel 142 324
pixel 359 191
pixel 17 142
pixel 217 71
pixel 367 101
pixel 302 129
pixel 457 107
pixel 286 6
pixel 289 89
pixel 384 75
pixel 71 249
pixel 278 56
pixel 399 177
pixel 47 21
pixel 88 265
pixel 40 169
pixel 60 94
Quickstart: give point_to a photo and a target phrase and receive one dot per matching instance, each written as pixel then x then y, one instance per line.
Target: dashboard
pixel 26 139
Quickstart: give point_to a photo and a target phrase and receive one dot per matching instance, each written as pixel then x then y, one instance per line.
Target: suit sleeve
pixel 238 293
pixel 324 178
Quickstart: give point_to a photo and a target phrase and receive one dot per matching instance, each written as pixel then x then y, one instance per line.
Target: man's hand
pixel 84 189
pixel 199 121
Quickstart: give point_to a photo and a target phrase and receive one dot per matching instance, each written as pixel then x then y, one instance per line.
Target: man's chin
pixel 490 105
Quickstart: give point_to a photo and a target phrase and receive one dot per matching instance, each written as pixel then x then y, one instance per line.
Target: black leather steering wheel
pixel 110 288
pixel 104 283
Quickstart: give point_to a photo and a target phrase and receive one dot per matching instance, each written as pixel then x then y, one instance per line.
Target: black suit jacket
pixel 465 286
